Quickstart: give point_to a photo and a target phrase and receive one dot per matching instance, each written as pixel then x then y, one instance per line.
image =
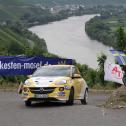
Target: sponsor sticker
pixel 61 94
pixel 67 87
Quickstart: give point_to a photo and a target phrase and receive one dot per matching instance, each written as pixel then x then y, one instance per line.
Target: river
pixel 67 38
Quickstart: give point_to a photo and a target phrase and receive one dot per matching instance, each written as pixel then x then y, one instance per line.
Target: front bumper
pixel 45 93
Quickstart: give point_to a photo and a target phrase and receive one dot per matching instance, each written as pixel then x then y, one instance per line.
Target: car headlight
pixel 61 82
pixel 26 82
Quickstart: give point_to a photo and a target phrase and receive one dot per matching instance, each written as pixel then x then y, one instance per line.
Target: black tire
pixel 71 97
pixel 84 100
pixel 28 103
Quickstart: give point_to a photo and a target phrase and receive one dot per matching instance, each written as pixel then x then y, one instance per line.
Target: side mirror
pixel 76 76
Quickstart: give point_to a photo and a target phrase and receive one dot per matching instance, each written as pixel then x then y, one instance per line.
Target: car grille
pixel 42 90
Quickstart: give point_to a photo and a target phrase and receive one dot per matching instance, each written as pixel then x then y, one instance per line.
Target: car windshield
pixel 52 71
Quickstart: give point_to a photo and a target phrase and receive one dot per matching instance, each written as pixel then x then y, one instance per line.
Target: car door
pixel 77 81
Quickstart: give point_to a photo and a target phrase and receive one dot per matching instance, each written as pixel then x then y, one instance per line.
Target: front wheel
pixel 28 103
pixel 84 100
pixel 71 97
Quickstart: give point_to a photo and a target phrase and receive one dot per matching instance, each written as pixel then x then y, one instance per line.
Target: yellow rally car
pixel 55 83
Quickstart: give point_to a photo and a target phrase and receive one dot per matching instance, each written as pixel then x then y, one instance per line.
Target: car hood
pixel 44 81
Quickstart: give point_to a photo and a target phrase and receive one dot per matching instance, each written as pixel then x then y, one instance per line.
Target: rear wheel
pixel 85 99
pixel 124 79
pixel 71 97
pixel 28 103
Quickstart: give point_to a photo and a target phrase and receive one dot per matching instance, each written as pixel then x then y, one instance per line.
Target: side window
pixel 75 71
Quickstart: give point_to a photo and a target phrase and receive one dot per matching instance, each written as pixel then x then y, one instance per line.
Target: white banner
pixel 113 72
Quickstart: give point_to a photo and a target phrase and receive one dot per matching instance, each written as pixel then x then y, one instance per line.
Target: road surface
pixel 14 113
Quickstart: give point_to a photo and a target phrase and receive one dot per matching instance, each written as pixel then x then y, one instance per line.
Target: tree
pixel 121 45
pixel 28 51
pixel 101 61
pixel 91 77
pixel 120 40
pixel 15 48
pixel 37 50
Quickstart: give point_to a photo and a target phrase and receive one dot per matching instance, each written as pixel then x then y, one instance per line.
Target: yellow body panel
pixel 78 84
pixel 55 94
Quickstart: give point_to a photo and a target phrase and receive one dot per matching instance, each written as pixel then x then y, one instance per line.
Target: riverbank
pixel 74 43
pixel 104 27
pixel 68 38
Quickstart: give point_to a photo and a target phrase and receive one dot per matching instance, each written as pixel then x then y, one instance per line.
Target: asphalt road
pixel 14 113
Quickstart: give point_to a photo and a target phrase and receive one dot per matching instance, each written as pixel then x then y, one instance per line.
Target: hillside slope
pixel 85 2
pixel 17 40
pixel 16 9
pixel 11 2
pixel 104 28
